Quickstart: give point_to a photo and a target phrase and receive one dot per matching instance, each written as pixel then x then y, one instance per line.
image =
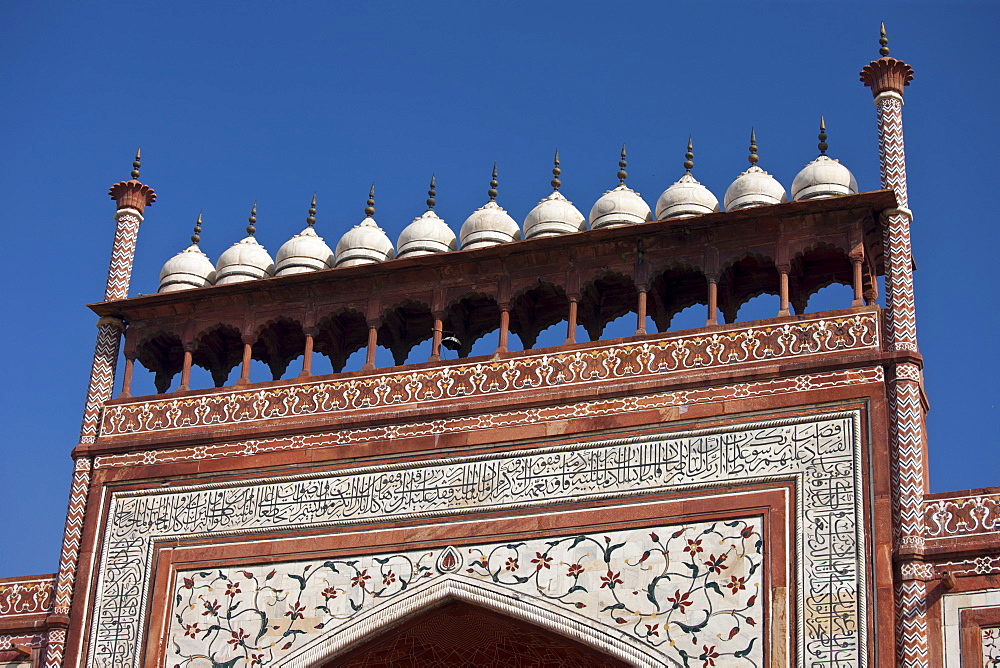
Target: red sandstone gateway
pixel 740 494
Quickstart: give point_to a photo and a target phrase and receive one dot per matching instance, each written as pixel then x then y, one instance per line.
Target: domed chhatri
pixel 824 176
pixel 306 251
pixel 365 243
pixel 428 233
pixel 686 197
pixel 246 260
pixel 621 206
pixel 188 269
pixel 555 214
pixel 754 187
pixel 489 225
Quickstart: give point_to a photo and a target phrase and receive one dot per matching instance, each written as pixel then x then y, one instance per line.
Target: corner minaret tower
pixel 131 198
pixel 887 78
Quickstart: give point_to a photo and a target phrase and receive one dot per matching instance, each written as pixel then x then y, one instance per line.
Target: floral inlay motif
pixel 694 608
pixel 991 647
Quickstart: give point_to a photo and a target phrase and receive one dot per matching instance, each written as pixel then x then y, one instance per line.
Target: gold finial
pixel 137 164
pixel 370 209
pixel 432 194
pixel 822 136
pixel 689 156
pixel 311 220
pixel 556 182
pixel 252 227
pixel 753 148
pixel 622 164
pixel 492 192
pixel 883 41
pixel 196 237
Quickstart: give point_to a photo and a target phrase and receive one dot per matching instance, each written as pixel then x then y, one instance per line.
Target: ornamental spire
pixel 556 181
pixel 622 164
pixel 753 158
pixel 252 227
pixel 432 194
pixel 689 156
pixel 136 164
pixel 822 136
pixel 370 209
pixel 196 237
pixel 883 41
pixel 311 219
pixel 492 192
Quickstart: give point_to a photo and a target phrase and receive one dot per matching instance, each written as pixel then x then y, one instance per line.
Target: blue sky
pixel 236 102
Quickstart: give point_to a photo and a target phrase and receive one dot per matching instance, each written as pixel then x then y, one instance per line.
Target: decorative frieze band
pixel 967 516
pixel 546 414
pixel 30 596
pixel 521 376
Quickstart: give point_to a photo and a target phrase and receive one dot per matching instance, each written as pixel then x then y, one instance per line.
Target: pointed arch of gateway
pixel 576 628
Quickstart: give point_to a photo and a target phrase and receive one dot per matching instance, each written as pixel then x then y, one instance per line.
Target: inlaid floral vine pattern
pixel 991 647
pixel 691 593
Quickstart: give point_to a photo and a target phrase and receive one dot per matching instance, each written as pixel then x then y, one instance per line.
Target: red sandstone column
pixel 887 77
pixel 713 302
pixel 131 198
pixel 858 282
pixel 127 378
pixel 245 366
pixel 783 291
pixel 307 355
pixel 186 370
pixel 640 313
pixel 571 321
pixel 372 345
pixel 504 328
pixel 436 341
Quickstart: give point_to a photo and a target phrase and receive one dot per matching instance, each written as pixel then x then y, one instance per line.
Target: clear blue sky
pixel 236 102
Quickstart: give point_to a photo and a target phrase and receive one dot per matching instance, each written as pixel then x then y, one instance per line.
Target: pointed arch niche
pixel 459 621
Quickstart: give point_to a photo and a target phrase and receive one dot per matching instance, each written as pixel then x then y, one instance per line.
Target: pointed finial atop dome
pixel 432 194
pixel 252 227
pixel 622 164
pixel 556 181
pixel 689 156
pixel 370 209
pixel 311 219
pixel 883 41
pixel 492 192
pixel 196 237
pixel 822 136
pixel 753 148
pixel 137 164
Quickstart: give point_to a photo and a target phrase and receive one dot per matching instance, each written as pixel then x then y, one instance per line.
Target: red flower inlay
pixel 360 579
pixel 389 578
pixel 295 612
pixel 511 564
pixel 736 584
pixel 694 546
pixel 232 589
pixel 680 600
pixel 716 564
pixel 211 608
pixel 651 630
pixel 709 655
pixel 575 570
pixel 611 579
pixel 330 592
pixel 238 637
pixel 191 630
pixel 541 561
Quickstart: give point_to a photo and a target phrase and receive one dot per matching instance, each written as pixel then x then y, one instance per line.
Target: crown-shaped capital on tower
pixel 886 74
pixel 131 194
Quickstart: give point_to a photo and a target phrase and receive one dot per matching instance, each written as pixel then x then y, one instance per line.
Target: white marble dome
pixel 621 206
pixel 823 177
pixel 489 225
pixel 365 243
pixel 687 197
pixel 754 187
pixel 427 234
pixel 188 269
pixel 304 252
pixel 246 260
pixel 553 215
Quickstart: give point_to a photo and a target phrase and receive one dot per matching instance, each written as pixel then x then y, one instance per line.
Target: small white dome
pixel 686 198
pixel 553 215
pixel 188 269
pixel 304 252
pixel 823 177
pixel 754 187
pixel 489 225
pixel 365 243
pixel 425 235
pixel 246 260
pixel 621 206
